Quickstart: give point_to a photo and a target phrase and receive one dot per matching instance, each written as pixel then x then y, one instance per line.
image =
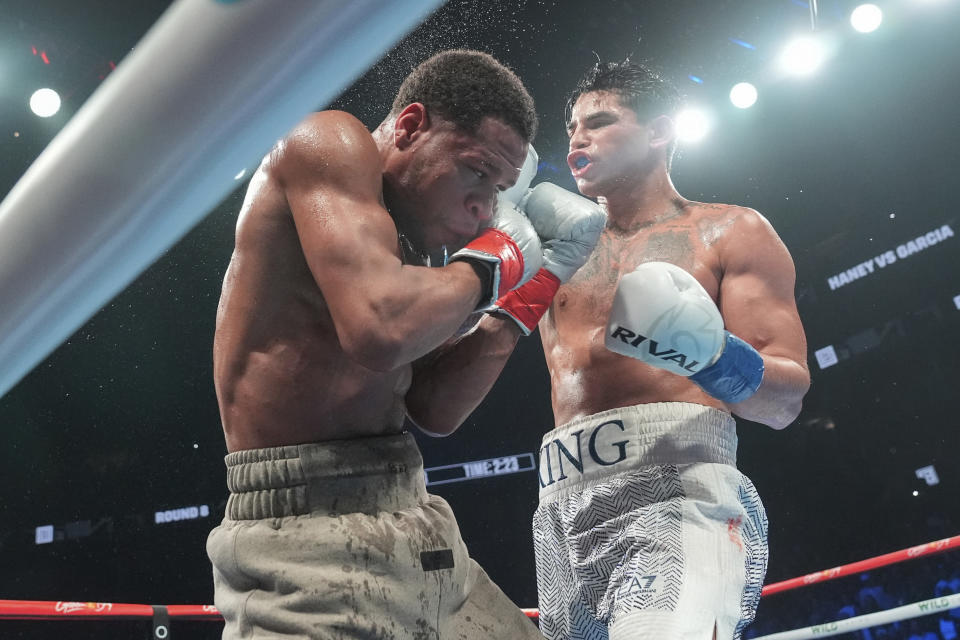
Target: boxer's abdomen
pixel 587 378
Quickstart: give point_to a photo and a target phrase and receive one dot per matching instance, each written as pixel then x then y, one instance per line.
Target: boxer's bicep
pixel 332 177
pixel 351 255
pixel 757 290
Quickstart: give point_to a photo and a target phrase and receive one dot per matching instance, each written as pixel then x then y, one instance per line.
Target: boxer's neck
pixel 642 201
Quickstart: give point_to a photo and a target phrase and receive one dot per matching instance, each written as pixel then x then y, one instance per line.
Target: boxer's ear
pixel 662 131
pixel 410 124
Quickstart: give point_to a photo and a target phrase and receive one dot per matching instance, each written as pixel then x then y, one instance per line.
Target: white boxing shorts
pixel 645 527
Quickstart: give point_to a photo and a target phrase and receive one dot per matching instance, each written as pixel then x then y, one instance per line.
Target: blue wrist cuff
pixel 736 375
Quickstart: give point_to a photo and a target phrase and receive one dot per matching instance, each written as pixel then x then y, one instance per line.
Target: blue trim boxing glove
pixel 736 375
pixel 662 316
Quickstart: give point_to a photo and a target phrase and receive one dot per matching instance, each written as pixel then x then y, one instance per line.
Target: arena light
pixel 866 18
pixel 802 56
pixel 692 125
pixel 743 95
pixel 45 102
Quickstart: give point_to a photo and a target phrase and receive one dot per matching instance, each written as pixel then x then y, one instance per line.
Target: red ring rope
pixel 49 610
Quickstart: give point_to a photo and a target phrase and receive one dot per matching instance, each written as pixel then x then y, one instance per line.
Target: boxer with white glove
pixel 636 453
pixel 569 226
pixel 662 316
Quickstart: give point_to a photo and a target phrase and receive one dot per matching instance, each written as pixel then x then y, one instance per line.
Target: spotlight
pixel 866 18
pixel 743 95
pixel 802 56
pixel 692 125
pixel 45 102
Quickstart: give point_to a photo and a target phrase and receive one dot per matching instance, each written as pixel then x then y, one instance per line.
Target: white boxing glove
pixel 528 172
pixel 662 316
pixel 568 224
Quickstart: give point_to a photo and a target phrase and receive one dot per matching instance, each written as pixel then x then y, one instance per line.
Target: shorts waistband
pixel 627 438
pixel 365 475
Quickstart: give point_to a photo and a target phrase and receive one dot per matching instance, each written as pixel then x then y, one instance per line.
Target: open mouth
pixel 579 162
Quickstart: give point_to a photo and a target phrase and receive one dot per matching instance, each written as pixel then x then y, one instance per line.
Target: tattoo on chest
pixel 594 283
pixel 673 245
pixel 690 243
pixel 603 266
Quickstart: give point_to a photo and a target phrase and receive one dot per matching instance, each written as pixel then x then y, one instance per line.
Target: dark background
pixel 121 421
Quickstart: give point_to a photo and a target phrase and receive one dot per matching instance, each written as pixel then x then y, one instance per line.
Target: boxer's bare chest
pixel 690 239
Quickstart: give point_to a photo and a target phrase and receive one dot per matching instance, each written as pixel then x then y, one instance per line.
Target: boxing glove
pixel 569 227
pixel 662 316
pixel 509 248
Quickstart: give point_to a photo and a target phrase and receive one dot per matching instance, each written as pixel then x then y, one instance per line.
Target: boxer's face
pixel 454 176
pixel 608 144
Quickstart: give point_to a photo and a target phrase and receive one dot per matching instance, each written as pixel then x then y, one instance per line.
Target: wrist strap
pixel 527 304
pixel 736 375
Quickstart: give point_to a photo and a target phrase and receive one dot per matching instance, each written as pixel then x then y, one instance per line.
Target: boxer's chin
pixel 588 187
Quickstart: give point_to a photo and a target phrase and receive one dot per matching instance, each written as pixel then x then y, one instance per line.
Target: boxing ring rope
pixel 59 610
pixel 906 612
pixel 48 610
pixel 930 548
pixel 202 97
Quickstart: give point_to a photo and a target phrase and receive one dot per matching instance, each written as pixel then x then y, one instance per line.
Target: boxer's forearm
pixel 448 385
pixel 779 398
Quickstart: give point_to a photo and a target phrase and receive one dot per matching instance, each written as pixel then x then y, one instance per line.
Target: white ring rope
pixel 907 611
pixel 205 94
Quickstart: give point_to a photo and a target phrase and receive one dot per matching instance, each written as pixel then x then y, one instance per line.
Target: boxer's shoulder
pixel 718 213
pixel 727 224
pixel 741 240
pixel 335 127
pixel 328 145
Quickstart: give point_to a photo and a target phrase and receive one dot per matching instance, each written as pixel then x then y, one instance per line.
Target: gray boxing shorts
pixel 341 540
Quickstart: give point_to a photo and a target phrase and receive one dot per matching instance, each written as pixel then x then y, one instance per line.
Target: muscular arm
pixel 386 313
pixel 757 303
pixel 449 384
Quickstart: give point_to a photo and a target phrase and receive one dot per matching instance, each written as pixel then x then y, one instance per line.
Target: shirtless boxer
pixel 332 328
pixel 646 529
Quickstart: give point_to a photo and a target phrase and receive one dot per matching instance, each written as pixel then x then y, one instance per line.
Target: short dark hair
pixel 464 86
pixel 638 86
